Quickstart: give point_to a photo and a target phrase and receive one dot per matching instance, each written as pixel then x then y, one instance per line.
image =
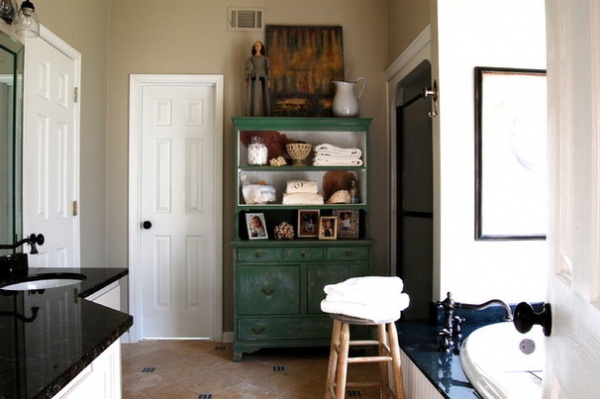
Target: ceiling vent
pixel 246 19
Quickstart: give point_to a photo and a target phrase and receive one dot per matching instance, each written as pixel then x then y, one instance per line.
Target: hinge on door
pixel 76 94
pixel 75 208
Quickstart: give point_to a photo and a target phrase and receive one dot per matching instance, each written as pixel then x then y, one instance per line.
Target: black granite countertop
pixel 42 350
pixel 419 339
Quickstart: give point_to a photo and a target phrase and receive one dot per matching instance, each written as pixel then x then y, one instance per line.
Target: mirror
pixel 11 116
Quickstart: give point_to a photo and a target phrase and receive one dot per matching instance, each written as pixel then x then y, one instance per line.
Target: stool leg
pixel 383 366
pixel 342 369
pixel 396 366
pixel 333 360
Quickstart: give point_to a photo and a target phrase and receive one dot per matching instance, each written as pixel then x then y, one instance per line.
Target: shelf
pixel 292 124
pixel 262 207
pixel 309 168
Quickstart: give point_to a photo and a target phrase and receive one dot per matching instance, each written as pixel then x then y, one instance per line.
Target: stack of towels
pixel 330 155
pixel 302 192
pixel 375 298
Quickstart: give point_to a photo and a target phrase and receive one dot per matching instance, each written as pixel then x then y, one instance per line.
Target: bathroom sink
pixel 41 281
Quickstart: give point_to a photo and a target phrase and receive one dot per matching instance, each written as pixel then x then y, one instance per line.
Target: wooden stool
pixel 339 359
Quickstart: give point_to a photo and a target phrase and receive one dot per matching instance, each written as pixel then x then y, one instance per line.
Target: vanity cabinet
pixel 278 283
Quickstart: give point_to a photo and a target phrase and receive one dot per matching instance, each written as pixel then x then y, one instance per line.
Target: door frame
pixel 136 84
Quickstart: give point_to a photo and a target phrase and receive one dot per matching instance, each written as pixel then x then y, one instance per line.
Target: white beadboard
pixel 416 385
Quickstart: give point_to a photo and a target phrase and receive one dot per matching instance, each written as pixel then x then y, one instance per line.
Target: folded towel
pixel 336 161
pixel 366 297
pixel 386 312
pixel 302 186
pixel 334 150
pixel 366 283
pixel 302 199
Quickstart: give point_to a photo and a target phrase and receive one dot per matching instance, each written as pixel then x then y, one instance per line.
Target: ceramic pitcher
pixel 345 101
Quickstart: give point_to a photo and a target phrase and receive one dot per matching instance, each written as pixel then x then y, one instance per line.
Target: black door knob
pixel 525 318
pixel 147 225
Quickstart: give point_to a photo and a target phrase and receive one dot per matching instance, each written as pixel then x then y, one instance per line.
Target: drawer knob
pixel 348 253
pixel 258 330
pixel 303 254
pixel 268 291
pixel 257 255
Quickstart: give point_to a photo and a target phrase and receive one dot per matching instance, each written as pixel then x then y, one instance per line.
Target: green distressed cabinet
pixel 278 284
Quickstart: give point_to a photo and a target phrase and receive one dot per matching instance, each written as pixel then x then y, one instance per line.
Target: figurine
pixel 258 81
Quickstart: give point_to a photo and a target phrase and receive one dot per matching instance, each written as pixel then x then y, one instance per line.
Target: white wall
pixel 472 33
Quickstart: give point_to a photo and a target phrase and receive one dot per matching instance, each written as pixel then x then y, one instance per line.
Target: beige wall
pixel 189 36
pixel 406 19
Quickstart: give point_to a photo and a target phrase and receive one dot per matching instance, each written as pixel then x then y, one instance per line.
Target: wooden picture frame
pixel 328 227
pixel 304 60
pixel 511 199
pixel 348 223
pixel 308 223
pixel 256 226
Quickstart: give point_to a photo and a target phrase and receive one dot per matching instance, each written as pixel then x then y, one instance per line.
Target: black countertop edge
pixel 64 379
pixel 99 327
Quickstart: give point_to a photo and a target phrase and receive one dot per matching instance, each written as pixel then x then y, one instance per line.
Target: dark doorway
pixel 414 194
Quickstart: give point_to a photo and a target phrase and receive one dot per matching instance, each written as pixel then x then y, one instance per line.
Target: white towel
pixel 366 283
pixel 336 161
pixel 302 199
pixel 388 311
pixel 302 186
pixel 330 149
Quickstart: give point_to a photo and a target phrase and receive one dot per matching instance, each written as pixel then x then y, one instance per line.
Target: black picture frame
pixel 510 156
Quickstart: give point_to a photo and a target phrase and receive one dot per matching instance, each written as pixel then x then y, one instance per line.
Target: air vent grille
pixel 246 19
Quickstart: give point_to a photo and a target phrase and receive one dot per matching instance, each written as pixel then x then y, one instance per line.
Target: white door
pixel 51 150
pixel 573 361
pixel 177 223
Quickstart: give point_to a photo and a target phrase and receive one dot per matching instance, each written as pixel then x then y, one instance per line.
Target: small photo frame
pixel 257 228
pixel 348 223
pixel 328 226
pixel 308 223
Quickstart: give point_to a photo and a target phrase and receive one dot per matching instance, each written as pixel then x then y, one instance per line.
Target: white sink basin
pixel 42 281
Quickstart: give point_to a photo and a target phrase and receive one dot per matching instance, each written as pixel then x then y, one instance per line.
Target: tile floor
pixel 204 370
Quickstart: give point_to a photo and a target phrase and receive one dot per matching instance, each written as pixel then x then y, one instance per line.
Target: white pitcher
pixel 345 102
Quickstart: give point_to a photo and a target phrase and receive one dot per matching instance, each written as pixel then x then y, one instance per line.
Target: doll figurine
pixel 258 81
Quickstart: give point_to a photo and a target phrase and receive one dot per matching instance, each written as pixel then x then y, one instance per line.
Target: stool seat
pixel 388 352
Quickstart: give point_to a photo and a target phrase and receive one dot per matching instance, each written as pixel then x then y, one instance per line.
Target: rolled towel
pixel 302 186
pixel 302 199
pixel 366 283
pixel 334 150
pixel 336 161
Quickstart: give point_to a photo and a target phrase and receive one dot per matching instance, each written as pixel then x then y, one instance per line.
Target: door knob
pixel 525 317
pixel 147 225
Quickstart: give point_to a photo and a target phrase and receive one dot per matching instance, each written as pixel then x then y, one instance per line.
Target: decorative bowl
pixel 298 152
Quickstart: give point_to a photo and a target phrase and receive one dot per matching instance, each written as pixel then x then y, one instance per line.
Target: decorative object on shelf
pixel 255 223
pixel 353 191
pixel 298 152
pixel 348 223
pixel 339 197
pixel 328 227
pixel 257 151
pixel 330 155
pixel 258 194
pixel 336 180
pixel 304 61
pixel 279 161
pixel 258 81
pixel 274 141
pixel 284 231
pixel 308 223
pixel 345 102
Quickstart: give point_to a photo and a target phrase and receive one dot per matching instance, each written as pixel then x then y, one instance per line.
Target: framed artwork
pixel 304 60
pixel 348 224
pixel 328 227
pixel 511 200
pixel 257 228
pixel 308 223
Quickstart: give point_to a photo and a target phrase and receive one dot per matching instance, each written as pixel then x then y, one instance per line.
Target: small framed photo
pixel 348 223
pixel 308 223
pixel 255 222
pixel 328 226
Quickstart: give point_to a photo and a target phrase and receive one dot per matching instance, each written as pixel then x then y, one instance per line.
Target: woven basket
pixel 298 152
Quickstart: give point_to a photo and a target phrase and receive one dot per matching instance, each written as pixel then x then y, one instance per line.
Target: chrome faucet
pixel 33 240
